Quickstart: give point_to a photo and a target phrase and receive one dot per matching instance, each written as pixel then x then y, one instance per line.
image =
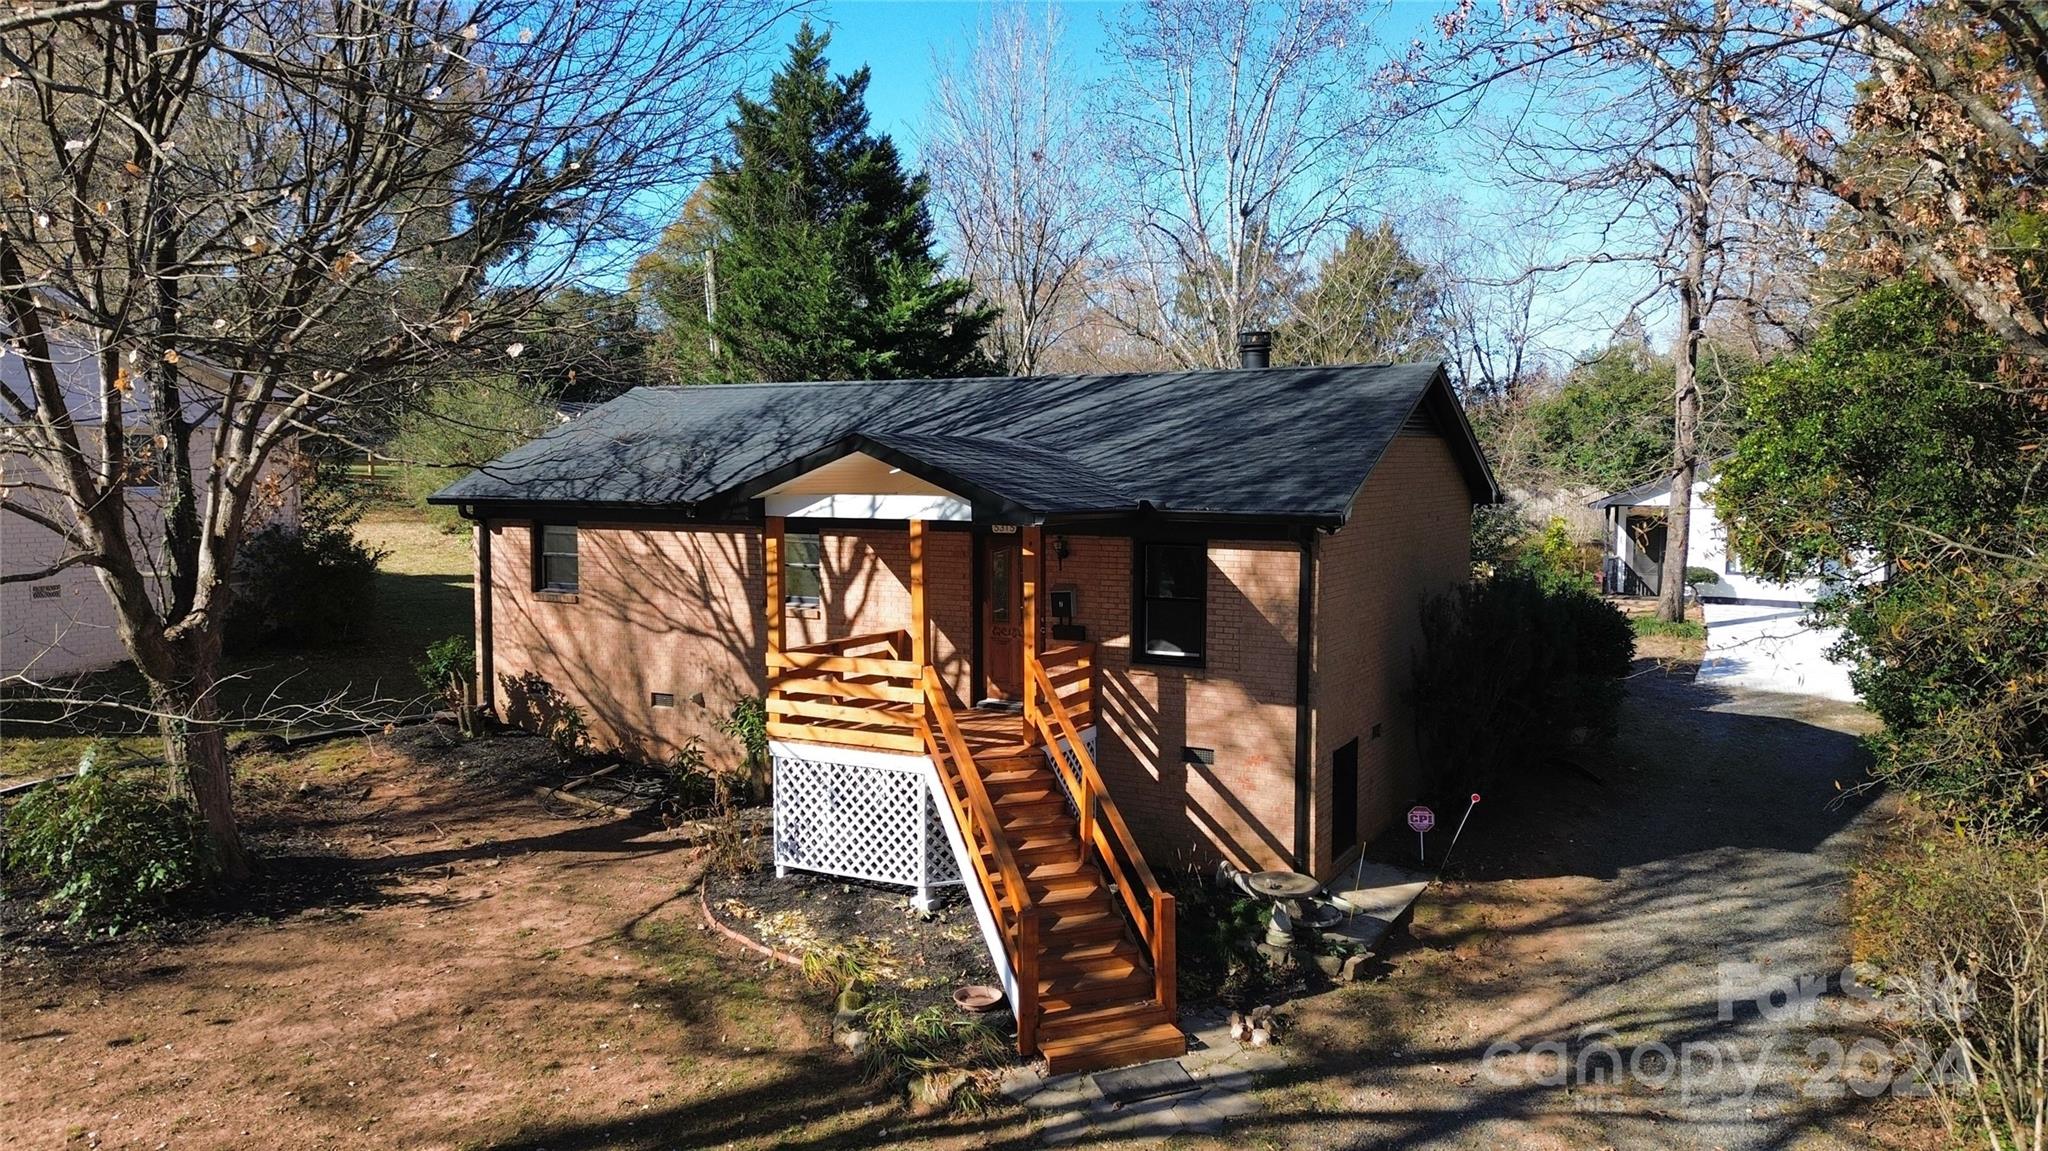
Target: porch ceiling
pixel 860 486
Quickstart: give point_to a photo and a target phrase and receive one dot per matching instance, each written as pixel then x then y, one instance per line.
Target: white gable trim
pixel 850 506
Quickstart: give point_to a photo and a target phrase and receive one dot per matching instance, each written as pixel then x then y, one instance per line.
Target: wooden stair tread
pixel 1026 796
pixel 1068 985
pixel 1072 953
pixel 1067 1020
pixel 1032 820
pixel 1014 775
pixel 1062 918
pixel 1089 1052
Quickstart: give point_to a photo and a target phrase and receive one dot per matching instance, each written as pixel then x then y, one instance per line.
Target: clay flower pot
pixel 977 998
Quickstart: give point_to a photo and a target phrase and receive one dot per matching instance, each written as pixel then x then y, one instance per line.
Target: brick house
pixel 1020 634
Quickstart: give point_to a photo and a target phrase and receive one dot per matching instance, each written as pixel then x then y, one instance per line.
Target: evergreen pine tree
pixel 826 269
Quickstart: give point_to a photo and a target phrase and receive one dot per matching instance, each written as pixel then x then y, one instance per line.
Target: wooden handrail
pixel 847 664
pixel 1106 831
pixel 896 641
pixel 976 815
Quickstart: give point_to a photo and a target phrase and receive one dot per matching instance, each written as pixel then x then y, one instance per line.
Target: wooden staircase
pixel 1086 931
pixel 1097 1004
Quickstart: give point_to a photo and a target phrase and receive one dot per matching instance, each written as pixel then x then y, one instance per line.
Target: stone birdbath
pixel 1287 890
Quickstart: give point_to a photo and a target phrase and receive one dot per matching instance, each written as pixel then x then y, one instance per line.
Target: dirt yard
pixel 432 962
pixel 437 962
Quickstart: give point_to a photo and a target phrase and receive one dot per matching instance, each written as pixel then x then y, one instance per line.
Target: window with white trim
pixel 556 567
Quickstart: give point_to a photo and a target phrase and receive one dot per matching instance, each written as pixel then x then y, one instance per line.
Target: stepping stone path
pixel 1221 1075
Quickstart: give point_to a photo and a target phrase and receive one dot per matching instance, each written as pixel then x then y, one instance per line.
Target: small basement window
pixel 1173 603
pixel 803 580
pixel 557 565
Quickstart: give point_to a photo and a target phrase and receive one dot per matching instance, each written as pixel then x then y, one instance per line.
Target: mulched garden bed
pixel 917 959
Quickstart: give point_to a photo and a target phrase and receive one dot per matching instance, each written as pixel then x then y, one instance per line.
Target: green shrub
pixel 748 723
pixel 449 664
pixel 1555 561
pixel 1953 655
pixel 449 670
pixel 1514 667
pixel 1216 934
pixel 310 584
pixel 104 847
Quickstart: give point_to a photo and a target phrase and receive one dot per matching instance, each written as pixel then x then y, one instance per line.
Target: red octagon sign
pixel 1421 819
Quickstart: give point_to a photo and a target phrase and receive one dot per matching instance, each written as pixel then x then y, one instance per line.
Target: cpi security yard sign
pixel 1420 820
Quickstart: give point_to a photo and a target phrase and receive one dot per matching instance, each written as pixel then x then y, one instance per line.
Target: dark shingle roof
pixel 1275 442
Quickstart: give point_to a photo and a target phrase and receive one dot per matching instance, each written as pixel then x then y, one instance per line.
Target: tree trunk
pixel 1692 305
pixel 195 746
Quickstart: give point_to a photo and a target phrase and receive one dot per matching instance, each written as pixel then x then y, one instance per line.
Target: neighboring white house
pixel 1758 634
pixel 63 624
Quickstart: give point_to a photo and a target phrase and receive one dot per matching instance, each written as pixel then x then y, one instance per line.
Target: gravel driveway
pixel 1642 911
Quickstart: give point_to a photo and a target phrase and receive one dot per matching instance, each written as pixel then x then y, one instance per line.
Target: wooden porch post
pixel 1028 560
pixel 917 616
pixel 771 572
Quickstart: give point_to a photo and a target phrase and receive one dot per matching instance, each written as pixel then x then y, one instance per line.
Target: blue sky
pixel 903 41
pixel 899 38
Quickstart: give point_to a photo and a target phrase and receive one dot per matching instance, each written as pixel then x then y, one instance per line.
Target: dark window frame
pixel 790 596
pixel 541 556
pixel 1141 599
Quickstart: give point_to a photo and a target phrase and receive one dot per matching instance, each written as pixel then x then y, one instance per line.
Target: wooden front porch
pixel 1085 931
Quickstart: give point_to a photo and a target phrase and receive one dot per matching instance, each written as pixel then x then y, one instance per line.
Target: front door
pixel 1002 616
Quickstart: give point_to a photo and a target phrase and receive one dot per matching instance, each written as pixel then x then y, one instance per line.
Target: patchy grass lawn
pixel 423 594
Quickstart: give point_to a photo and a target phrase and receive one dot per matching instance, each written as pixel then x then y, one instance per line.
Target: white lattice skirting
pixel 1067 754
pixel 861 814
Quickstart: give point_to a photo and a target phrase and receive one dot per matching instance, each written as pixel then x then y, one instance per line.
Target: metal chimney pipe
pixel 1255 349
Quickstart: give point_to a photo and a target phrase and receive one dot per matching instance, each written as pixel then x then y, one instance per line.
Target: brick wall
pixel 1241 704
pixel 681 611
pixel 1409 537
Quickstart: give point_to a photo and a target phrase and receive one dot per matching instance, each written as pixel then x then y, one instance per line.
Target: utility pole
pixel 711 299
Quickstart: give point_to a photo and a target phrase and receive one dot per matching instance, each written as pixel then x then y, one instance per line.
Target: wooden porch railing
pixel 1061 706
pixel 995 862
pixel 862 691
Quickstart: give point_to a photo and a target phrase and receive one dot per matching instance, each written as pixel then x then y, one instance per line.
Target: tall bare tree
pixel 260 216
pixel 1645 175
pixel 1016 173
pixel 1958 87
pixel 1244 134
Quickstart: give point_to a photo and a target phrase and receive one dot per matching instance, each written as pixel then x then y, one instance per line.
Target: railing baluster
pixel 975 813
